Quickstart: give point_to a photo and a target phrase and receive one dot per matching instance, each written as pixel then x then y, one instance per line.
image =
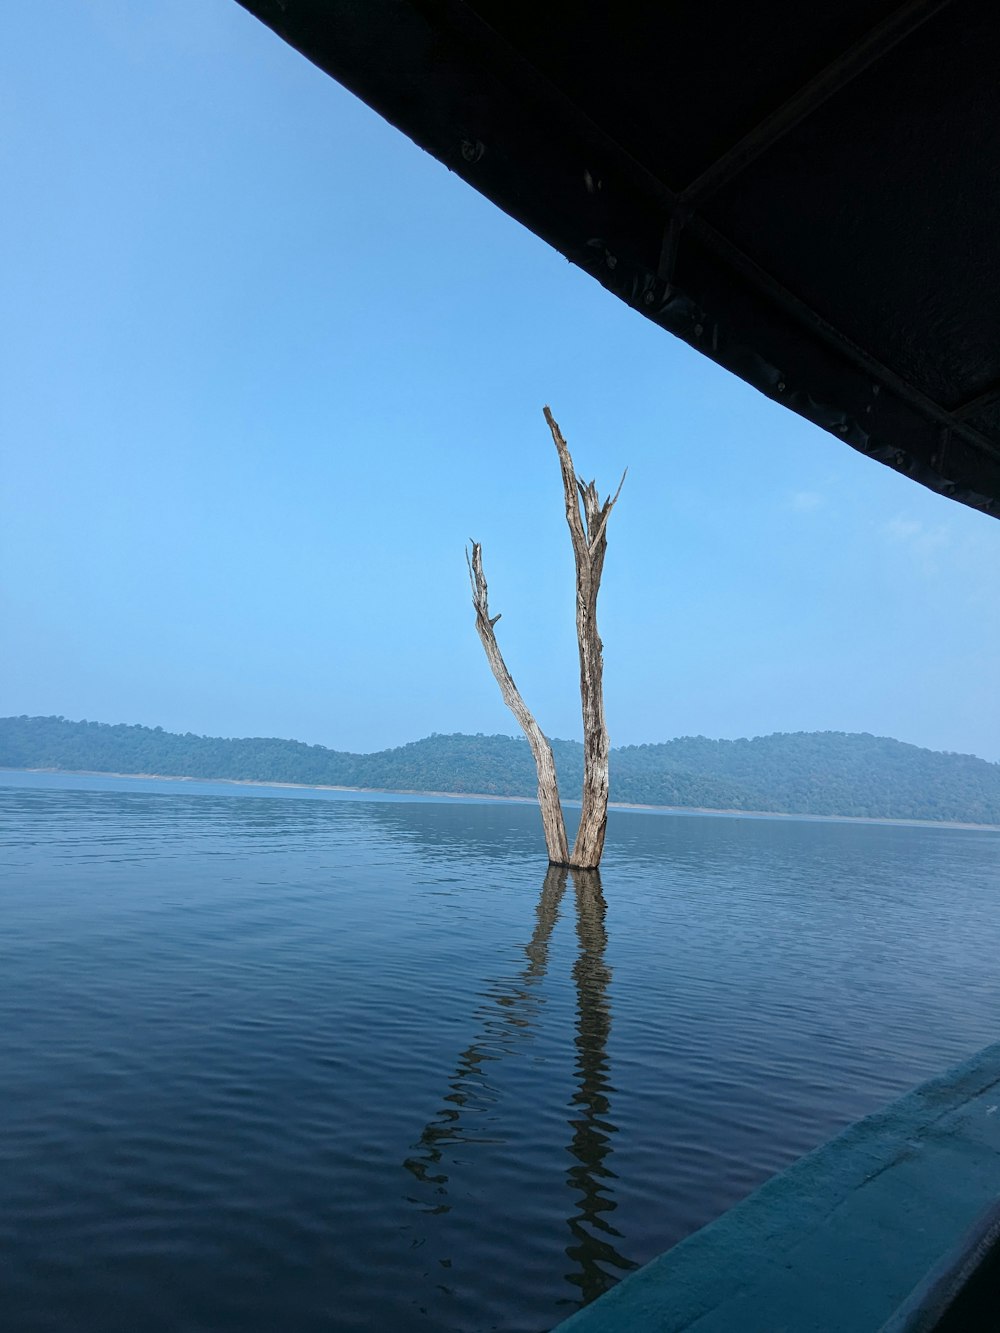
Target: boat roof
pixel 807 194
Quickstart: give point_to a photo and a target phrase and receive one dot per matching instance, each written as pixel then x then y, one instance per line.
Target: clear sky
pixel 265 366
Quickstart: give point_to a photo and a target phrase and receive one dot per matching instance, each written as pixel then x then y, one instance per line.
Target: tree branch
pixel 606 513
pixel 553 823
pixel 571 483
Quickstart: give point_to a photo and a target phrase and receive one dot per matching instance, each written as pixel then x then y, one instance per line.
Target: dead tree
pixel 589 534
pixel 588 531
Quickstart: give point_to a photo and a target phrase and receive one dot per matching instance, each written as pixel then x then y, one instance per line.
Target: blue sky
pixel 264 368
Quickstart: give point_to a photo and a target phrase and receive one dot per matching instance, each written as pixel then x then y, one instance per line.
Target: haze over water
pixel 329 1061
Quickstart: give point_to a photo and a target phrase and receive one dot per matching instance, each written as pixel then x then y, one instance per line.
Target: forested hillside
pixel 824 773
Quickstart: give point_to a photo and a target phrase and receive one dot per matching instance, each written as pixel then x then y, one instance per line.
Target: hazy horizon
pixel 268 367
pixel 510 734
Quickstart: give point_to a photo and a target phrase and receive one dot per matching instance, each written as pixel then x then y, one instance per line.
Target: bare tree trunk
pixel 589 536
pixel 548 786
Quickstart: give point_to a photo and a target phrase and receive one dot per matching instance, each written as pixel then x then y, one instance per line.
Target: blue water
pixel 276 1060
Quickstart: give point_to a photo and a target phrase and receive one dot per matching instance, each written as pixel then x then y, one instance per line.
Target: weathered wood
pixel 588 532
pixel 548 786
pixel 587 519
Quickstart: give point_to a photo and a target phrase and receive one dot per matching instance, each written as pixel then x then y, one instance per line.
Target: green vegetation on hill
pixel 820 773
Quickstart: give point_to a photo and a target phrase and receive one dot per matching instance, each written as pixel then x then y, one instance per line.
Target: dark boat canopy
pixel 808 194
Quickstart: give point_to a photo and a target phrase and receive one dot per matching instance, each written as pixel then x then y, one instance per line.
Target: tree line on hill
pixel 819 773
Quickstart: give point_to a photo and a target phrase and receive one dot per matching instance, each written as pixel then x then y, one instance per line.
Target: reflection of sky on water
pixel 215 992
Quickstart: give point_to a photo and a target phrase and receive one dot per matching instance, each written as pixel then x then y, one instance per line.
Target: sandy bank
pixel 518 800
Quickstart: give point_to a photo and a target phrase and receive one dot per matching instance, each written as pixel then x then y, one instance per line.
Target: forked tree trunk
pixel 589 536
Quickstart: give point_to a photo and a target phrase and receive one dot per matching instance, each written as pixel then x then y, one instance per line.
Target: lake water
pixel 286 1061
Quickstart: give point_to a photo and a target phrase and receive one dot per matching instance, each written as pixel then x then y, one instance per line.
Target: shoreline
pixel 519 800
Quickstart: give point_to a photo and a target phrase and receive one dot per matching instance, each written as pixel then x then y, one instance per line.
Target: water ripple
pixel 350 1064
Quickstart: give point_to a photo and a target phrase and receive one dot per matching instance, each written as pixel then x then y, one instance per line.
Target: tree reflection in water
pixel 512 1016
pixel 597 1264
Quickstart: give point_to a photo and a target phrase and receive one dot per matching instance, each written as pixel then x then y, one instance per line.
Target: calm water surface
pixel 351 1063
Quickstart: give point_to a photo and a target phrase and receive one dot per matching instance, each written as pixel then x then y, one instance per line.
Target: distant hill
pixel 817 772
